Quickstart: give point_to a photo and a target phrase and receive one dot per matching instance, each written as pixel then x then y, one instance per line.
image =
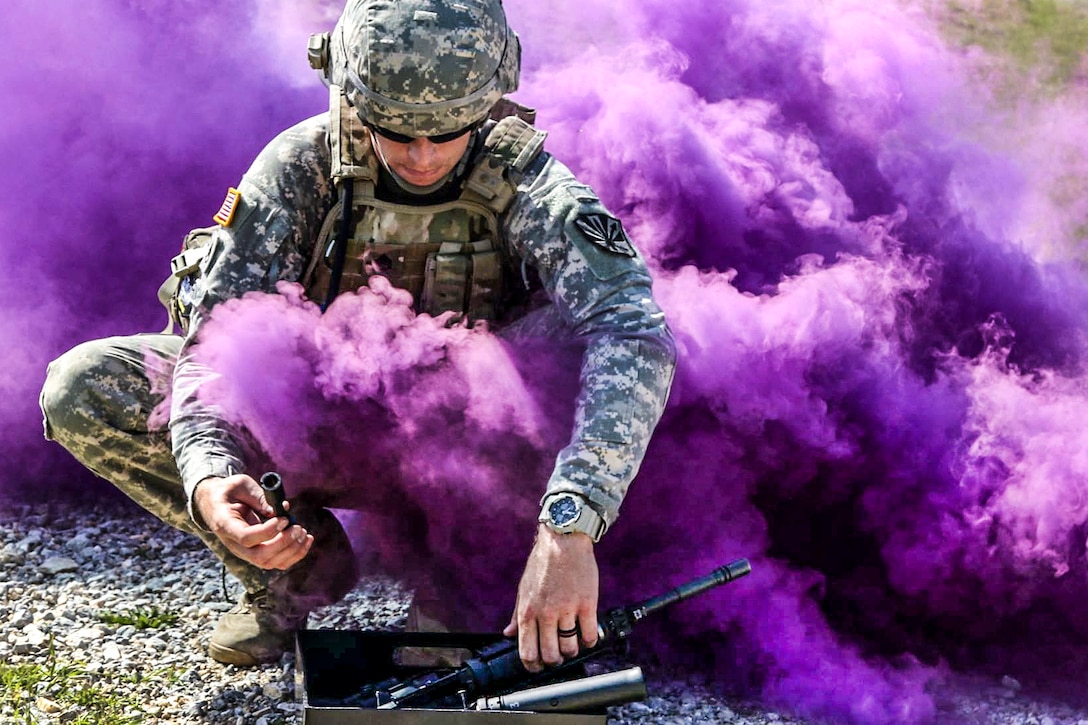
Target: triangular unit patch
pixel 606 232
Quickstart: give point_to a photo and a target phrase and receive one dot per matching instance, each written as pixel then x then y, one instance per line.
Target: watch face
pixel 564 511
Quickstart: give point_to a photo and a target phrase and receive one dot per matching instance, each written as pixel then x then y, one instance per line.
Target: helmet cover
pixel 424 67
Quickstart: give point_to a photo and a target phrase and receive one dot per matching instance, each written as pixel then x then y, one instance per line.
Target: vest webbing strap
pixel 343 235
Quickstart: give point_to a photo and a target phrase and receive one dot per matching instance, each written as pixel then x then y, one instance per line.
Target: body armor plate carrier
pixel 449 256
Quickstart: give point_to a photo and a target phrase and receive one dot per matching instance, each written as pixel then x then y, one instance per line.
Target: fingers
pixel 528 647
pixel 558 640
pixel 249 532
pixel 271 545
pixel 297 546
pixel 587 625
pixel 512 628
pixel 546 642
pixel 567 634
pixel 548 639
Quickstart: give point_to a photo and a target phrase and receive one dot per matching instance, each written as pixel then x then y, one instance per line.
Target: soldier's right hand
pixel 235 510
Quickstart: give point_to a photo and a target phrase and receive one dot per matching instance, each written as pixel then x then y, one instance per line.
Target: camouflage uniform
pixel 599 295
pixel 103 399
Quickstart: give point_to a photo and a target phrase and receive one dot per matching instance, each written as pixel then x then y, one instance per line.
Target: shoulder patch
pixel 225 214
pixel 606 232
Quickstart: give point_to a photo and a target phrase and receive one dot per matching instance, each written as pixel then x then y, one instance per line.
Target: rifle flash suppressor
pixel 272 483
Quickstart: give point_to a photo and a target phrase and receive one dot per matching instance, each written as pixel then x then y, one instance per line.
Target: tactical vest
pixel 449 256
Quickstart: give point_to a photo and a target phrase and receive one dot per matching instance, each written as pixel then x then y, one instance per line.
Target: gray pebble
pixel 33 636
pixel 20 619
pixel 32 540
pixel 59 565
pixel 11 555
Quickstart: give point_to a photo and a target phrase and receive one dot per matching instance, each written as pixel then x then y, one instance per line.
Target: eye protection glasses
pixel 439 138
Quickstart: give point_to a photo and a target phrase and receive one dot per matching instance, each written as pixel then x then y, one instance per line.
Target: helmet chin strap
pixel 404 185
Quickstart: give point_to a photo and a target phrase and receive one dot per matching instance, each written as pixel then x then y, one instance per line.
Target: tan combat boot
pixel 258 630
pixel 263 624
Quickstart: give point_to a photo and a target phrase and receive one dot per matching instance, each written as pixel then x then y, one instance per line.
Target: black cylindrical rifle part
pixel 585 693
pixel 617 624
pixel 272 483
pixel 722 575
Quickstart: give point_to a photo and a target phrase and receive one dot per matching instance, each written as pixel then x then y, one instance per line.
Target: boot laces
pixel 268 607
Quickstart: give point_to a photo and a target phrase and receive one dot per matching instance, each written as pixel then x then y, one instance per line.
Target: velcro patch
pixel 226 212
pixel 606 232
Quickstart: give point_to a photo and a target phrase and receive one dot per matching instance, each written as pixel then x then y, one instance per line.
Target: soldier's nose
pixel 421 149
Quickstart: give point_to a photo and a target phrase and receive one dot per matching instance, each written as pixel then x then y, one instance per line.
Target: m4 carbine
pixel 497 668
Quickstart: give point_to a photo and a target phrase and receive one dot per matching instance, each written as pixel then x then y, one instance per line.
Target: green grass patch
pixel 141 618
pixel 69 686
pixel 1040 40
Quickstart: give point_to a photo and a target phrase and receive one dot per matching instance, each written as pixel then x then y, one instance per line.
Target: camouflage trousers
pixel 104 402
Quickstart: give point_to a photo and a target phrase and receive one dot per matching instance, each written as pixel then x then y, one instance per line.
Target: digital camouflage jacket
pixel 596 280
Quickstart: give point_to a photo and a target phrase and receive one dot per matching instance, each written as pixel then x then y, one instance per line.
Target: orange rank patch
pixel 226 212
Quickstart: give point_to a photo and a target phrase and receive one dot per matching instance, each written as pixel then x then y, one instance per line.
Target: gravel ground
pixel 63 568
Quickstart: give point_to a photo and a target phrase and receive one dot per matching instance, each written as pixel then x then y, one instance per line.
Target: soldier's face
pixel 421 162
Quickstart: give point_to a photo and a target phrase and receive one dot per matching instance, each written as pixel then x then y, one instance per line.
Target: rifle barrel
pixel 721 575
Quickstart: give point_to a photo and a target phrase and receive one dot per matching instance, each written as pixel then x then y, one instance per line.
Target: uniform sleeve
pixel 601 287
pixel 285 196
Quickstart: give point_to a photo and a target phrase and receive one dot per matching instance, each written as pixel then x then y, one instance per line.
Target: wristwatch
pixel 567 513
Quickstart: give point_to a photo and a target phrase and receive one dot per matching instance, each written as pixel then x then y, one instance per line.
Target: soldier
pixel 421 172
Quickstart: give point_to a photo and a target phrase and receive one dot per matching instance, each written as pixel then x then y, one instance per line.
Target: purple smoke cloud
pixel 873 277
pixel 124 125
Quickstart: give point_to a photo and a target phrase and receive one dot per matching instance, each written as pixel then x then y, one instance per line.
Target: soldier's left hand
pixel 556 612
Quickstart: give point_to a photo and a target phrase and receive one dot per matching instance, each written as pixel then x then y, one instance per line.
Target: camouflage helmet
pixel 424 67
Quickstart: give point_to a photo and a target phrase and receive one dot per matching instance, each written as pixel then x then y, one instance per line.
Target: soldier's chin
pixel 422 179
